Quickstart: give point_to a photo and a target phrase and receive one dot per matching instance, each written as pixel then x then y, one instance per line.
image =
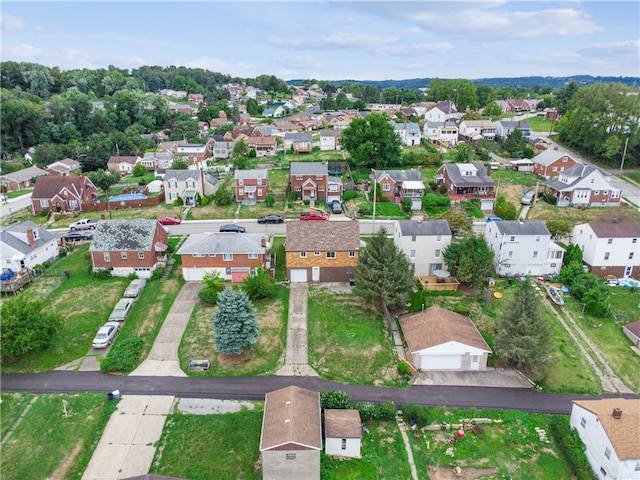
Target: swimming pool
pixel 127 196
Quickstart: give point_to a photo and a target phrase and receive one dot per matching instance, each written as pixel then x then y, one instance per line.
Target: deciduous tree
pixel 104 180
pixel 372 142
pixel 234 321
pixel 470 260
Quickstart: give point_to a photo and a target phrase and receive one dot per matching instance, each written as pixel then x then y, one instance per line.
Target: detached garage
pixel 298 275
pixel 442 340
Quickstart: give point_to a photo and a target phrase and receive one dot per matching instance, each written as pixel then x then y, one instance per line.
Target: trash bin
pixel 491 282
pixel 116 394
pixel 352 282
pixel 109 396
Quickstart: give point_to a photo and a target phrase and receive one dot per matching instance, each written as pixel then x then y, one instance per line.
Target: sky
pixel 331 40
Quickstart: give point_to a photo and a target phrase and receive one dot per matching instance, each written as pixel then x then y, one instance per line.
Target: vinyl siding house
pixel 291 437
pixel 505 127
pixel 477 130
pixel 610 430
pixel 584 185
pixel 442 340
pixel 62 168
pixel 251 185
pixel 298 142
pixel 445 133
pixel 188 185
pixel 322 251
pixel 330 139
pixel 195 153
pixel 128 246
pixel 342 432
pixel 222 148
pixel 70 193
pixel 423 243
pixel 233 255
pixel 396 185
pixel 551 163
pixel 123 164
pixel 523 248
pixel 263 146
pixel 25 245
pixel 408 132
pixel 609 248
pixel 465 181
pixel 20 179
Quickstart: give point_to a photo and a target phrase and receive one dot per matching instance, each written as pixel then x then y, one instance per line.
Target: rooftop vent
pixel 288 403
pixel 617 413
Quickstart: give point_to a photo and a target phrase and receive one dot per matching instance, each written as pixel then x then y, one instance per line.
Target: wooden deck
pixel 431 282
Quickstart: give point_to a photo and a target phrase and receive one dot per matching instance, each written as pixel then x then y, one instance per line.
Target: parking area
pixel 480 378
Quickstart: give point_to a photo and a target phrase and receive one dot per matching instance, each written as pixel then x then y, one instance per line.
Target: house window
pixel 123 255
pixel 437 253
pixel 334 188
pixel 606 255
pixel 413 238
pixel 303 254
pixel 173 184
pixel 240 182
pixel 631 256
pixel 535 254
pixel 349 270
pixel 386 187
pixel 553 265
pixel 227 257
pixel 197 255
pixel 412 254
pixel 554 169
pixel 141 255
pixel 73 204
pixel 344 444
pixel 607 453
pixel 610 241
pixel 537 238
pixel 44 203
pixel 637 469
pixel 316 254
pixel 259 192
pixel 106 256
pixel 352 254
pixel 331 254
pixel 173 195
pixel 291 456
pixel 212 255
pixel 253 256
pixel 191 184
pixel 438 238
pixel 510 254
pixel 597 192
pixel 240 192
pixel 603 472
pixel 583 423
pixel 634 240
pixel 299 177
pixel 512 238
pixel 259 181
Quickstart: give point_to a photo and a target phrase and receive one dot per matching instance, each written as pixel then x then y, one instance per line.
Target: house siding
pixel 333 446
pixel 276 466
pixel 596 249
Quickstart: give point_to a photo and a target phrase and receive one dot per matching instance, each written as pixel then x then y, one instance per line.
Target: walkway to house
pixel 297 359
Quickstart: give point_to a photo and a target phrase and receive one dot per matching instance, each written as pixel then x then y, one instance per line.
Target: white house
pixel 442 340
pixel 26 245
pixel 478 129
pixel 441 132
pixel 523 248
pixel 408 132
pixel 584 185
pixel 609 248
pixel 442 112
pixel 330 139
pixel 610 430
pixel 423 243
pixel 342 432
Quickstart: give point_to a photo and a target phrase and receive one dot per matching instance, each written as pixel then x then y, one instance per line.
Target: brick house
pixel 322 251
pixel 195 153
pixel 128 246
pixel 584 185
pixel 396 185
pixel 70 193
pixel 465 181
pixel 14 181
pixel 309 179
pixel 64 167
pixel 233 255
pixel 263 146
pixel 251 185
pixel 550 163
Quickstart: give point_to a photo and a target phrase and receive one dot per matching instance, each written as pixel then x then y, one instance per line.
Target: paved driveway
pixel 481 378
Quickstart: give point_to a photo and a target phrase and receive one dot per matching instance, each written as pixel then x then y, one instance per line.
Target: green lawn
pixel 632 177
pixel 349 341
pixel 515 178
pixel 48 444
pixel 18 193
pixel 279 253
pixel 539 124
pixel 11 408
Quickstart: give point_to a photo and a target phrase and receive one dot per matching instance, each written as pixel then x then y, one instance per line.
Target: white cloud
pixel 11 22
pixel 416 49
pixel 616 49
pixel 22 51
pixel 336 40
pixel 236 69
pixel 298 62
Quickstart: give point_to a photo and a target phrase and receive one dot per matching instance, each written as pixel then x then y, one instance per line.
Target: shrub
pixel 223 197
pixel 43 213
pixel 204 201
pixel 349 195
pixel 132 276
pixel 406 205
pixel 102 273
pixel 209 295
pixel 442 189
pixel 269 200
pixel 506 210
pixel 306 202
pixel 62 253
pixel 419 414
pixel 403 368
pixel 260 285
pixel 572 447
pixel 550 199
pixel 293 196
pixel 432 203
pixel 462 310
pixel 178 202
pixel 123 356
pixel 334 399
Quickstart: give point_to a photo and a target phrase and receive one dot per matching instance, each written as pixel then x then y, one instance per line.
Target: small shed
pixel 632 331
pixel 155 186
pixel 343 433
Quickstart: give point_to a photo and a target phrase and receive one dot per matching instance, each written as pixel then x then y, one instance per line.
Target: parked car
pixel 135 288
pixel 527 197
pixel 84 224
pixel 313 216
pixel 336 207
pixel 169 221
pixel 232 228
pixel 271 219
pixel 106 334
pixel 494 219
pixel 74 236
pixel 121 310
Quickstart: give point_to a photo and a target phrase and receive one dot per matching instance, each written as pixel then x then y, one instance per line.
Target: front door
pixel 475 362
pixel 315 274
pixel 627 271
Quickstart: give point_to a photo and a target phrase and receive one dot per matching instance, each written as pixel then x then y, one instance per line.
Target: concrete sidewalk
pixel 127 446
pixel 163 358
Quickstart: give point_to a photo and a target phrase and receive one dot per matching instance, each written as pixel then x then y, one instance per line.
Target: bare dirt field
pixel 439 473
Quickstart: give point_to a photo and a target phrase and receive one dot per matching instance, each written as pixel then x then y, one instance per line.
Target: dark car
pixel 336 207
pixel 169 221
pixel 271 219
pixel 75 236
pixel 232 228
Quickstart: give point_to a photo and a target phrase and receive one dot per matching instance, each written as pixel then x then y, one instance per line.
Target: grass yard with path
pixel 197 341
pixel 632 177
pixel 48 444
pixel 349 340
pixel 11 408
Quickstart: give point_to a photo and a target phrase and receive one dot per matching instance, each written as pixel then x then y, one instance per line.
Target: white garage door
pixel 192 274
pixel 299 275
pixel 441 362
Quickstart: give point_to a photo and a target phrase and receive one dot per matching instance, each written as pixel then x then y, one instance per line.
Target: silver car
pixel 135 288
pixel 105 335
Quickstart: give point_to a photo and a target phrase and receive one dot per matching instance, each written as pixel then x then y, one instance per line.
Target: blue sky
pixel 331 40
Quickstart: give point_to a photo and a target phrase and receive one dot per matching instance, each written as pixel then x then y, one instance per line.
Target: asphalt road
pixel 255 388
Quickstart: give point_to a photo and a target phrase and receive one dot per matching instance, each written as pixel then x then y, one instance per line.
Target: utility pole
pixel 375 190
pixel 624 153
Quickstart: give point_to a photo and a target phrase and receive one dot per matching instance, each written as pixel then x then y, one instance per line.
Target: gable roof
pixel 399 175
pixel 322 236
pixel 549 156
pixel 25 174
pixel 515 227
pixel 182 175
pixel 221 242
pixel 251 174
pixel 15 236
pixel 435 326
pixel 575 175
pixel 131 159
pixel 64 165
pixel 615 230
pixel 124 235
pixel 342 423
pixel 623 433
pixel 633 328
pixel 308 168
pixel 48 187
pixel 291 416
pixel 480 179
pixel 520 125
pixel 422 228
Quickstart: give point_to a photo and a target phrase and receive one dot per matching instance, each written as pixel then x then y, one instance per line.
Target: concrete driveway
pixel 479 378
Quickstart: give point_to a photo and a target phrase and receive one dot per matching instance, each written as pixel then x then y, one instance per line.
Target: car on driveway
pixel 271 219
pixel 336 207
pixel 232 228
pixel 313 216
pixel 121 310
pixel 106 334
pixel 76 236
pixel 169 221
pixel 135 288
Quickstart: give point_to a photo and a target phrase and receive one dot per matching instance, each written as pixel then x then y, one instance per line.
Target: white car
pixel 135 288
pixel 105 335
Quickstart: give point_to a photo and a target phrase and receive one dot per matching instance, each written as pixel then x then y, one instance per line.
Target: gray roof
pixel 251 174
pixel 267 129
pixel 429 227
pixel 409 127
pixel 579 172
pixel 309 168
pixel 515 124
pixel 549 156
pixel 223 242
pixel 182 175
pixel 298 137
pixel 515 227
pixel 25 174
pixel 14 236
pixel 400 175
pixel 480 179
pixel 124 235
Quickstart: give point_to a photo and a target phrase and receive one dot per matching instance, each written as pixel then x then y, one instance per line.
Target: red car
pixel 169 221
pixel 313 216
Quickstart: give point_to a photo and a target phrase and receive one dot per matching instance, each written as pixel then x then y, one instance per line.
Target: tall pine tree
pixel 523 335
pixel 234 322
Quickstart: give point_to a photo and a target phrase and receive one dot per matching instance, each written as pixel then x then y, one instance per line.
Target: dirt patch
pixel 439 473
pixel 60 473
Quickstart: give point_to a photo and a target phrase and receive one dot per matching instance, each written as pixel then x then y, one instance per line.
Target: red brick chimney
pixel 31 238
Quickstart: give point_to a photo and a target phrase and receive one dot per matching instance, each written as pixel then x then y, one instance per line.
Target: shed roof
pixel 342 423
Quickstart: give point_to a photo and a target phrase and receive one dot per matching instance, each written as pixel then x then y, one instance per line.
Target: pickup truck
pixel 84 224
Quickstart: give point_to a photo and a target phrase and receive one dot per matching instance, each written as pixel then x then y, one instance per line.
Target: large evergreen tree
pixel 470 260
pixel 384 272
pixel 372 142
pixel 523 335
pixel 235 324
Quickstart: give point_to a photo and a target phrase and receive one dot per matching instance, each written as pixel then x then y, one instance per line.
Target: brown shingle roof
pixel 623 433
pixel 615 230
pixel 322 236
pixel 435 326
pixel 123 159
pixel 291 417
pixel 47 187
pixel 24 174
pixel 633 327
pixel 342 424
